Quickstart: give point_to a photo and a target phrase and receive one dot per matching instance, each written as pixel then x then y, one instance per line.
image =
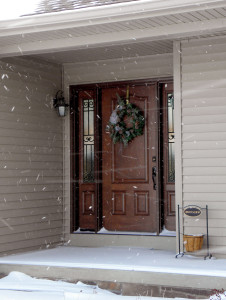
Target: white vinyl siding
pixel 153 66
pixel 31 156
pixel 203 74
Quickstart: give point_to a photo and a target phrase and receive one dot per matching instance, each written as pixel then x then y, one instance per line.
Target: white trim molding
pixel 178 130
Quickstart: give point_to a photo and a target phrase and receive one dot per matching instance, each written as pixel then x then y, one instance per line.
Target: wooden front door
pixel 130 174
pixel 121 188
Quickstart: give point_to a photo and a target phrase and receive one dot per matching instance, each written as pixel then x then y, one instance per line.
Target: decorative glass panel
pixel 88 140
pixel 171 139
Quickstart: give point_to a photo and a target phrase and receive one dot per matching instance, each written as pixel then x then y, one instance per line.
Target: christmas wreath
pixel 119 130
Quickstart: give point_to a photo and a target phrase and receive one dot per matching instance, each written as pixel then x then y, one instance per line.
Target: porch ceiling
pixel 130 29
pixel 123 51
pixel 109 52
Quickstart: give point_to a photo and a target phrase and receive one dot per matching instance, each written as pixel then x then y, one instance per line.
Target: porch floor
pixel 120 265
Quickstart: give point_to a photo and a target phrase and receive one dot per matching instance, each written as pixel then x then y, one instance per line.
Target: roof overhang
pixel 104 14
pixel 116 24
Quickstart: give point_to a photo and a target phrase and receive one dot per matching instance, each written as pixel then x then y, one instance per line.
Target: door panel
pixel 169 158
pixel 130 202
pixel 130 164
pixel 87 174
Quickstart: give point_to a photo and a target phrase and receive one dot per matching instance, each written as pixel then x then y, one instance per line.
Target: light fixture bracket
pixel 59 103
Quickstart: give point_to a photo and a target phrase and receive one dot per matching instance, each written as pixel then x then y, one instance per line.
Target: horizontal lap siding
pixel 153 66
pixel 204 136
pixel 31 156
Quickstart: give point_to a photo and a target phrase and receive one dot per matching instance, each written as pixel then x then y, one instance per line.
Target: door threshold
pixel 104 231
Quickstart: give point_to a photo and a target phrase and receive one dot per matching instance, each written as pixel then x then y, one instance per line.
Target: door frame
pixel 74 149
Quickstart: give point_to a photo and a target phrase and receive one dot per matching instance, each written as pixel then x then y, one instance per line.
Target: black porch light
pixel 59 104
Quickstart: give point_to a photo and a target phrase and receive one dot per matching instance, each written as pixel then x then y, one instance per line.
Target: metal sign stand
pixel 180 254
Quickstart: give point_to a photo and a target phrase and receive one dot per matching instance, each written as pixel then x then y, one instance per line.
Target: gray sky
pixel 11 9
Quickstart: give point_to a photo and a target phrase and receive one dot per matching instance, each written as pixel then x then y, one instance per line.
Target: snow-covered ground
pixel 19 286
pixel 120 258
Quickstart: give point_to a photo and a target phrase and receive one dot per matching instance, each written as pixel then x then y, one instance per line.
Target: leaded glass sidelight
pixel 171 138
pixel 88 140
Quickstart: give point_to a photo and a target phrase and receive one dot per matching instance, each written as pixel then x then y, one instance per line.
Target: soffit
pixel 124 51
pixel 110 52
pixel 140 24
pixel 137 36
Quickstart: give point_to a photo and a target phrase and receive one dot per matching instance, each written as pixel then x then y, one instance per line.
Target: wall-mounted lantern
pixel 59 104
